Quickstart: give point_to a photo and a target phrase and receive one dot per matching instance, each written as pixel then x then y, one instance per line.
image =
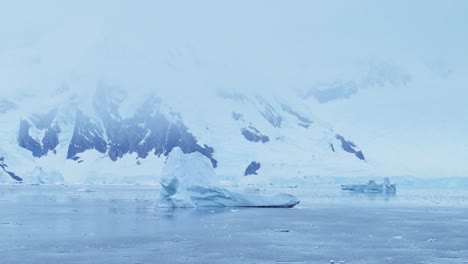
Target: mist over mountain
pixel 102 92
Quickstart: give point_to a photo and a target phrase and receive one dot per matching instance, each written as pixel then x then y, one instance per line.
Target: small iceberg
pixel 189 180
pixel 372 187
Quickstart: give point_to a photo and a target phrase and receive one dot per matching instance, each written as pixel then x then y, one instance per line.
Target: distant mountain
pixel 249 138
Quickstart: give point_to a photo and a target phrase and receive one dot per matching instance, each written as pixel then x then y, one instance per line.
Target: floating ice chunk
pixel 372 187
pixel 189 180
pixel 86 190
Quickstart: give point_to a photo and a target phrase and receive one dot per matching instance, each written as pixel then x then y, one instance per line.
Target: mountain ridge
pixel 240 131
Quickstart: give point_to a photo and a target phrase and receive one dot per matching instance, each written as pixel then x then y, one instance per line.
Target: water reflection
pixel 368 196
pixel 181 213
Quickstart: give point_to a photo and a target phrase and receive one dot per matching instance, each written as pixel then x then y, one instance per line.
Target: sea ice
pixel 189 180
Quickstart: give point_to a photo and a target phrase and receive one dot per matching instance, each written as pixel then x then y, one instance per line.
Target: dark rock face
pixel 86 135
pixel 332 147
pixel 350 147
pixel 269 113
pixel 3 166
pixel 253 135
pixel 50 139
pixel 265 109
pixel 147 131
pixel 236 116
pixel 252 168
pixel 26 141
pixel 303 121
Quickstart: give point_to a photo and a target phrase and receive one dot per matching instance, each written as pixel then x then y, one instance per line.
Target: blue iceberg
pixel 372 187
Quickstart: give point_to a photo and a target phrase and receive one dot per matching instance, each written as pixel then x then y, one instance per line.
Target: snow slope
pixel 120 135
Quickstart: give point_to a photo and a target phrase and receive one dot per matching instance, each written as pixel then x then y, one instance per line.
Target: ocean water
pixel 119 224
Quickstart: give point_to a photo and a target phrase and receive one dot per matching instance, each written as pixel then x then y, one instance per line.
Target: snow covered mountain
pixel 101 92
pixel 121 135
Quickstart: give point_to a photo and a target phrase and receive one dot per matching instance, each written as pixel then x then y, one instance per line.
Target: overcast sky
pixel 261 44
pixel 412 111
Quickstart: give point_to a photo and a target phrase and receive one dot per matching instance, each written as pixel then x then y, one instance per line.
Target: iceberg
pixel 189 180
pixel 372 187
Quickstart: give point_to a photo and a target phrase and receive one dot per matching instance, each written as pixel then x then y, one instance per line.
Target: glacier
pixel 189 180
